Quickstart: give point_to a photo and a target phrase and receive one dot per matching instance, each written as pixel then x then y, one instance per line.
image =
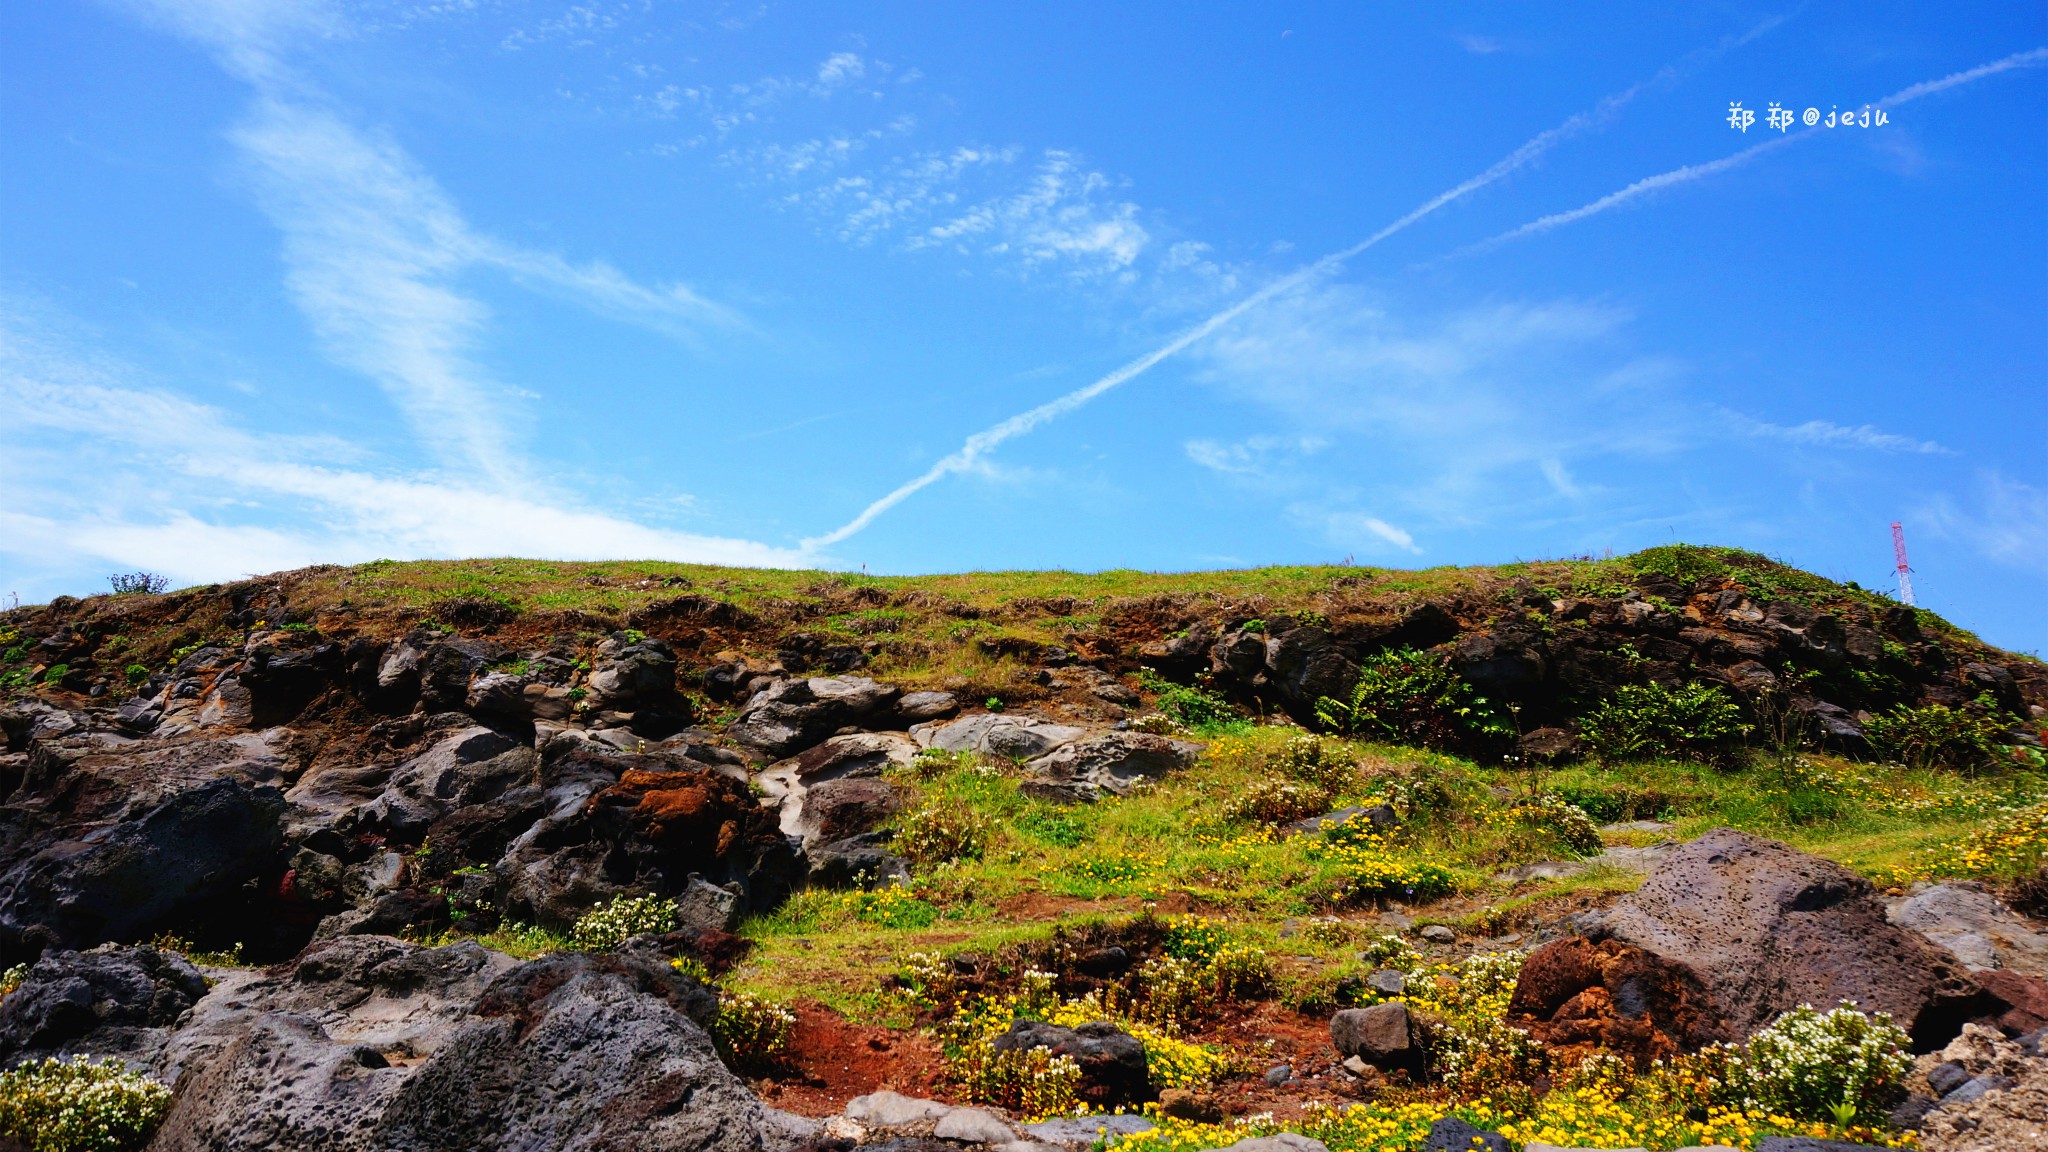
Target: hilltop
pixel 815 835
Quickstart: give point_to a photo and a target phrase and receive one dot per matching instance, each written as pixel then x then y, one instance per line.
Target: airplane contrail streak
pixel 981 443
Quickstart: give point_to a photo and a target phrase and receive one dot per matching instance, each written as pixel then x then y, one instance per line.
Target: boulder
pixel 1279 1142
pixel 1086 1131
pixel 859 754
pixel 632 674
pixel 837 809
pixel 1574 994
pixel 1975 925
pixel 570 1051
pixel 1381 1035
pixel 862 861
pixel 117 998
pixel 792 715
pixel 886 1109
pixel 1112 1061
pixel 470 766
pixel 1451 1134
pixel 1305 664
pixel 1003 735
pixel 1381 817
pixel 1114 763
pixel 162 859
pixel 918 707
pixel 1768 928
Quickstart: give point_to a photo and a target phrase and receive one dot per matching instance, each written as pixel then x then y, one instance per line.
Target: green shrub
pixel 1196 939
pixel 1409 696
pixel 1186 705
pixel 1173 991
pixel 1840 1065
pixel 1649 720
pixel 1935 735
pixel 12 978
pixel 55 673
pixel 753 1031
pixel 948 830
pixel 78 1105
pixel 1319 761
pixel 135 673
pixel 1241 972
pixel 621 920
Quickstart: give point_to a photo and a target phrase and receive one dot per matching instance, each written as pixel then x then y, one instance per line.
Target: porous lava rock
pixel 1767 928
pixel 1575 994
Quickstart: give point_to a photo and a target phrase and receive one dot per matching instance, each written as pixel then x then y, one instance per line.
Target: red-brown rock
pixel 1577 994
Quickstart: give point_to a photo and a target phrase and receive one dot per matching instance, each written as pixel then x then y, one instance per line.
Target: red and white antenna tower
pixel 1905 573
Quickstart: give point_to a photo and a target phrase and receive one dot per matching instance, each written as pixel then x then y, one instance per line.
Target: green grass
pixel 1048 864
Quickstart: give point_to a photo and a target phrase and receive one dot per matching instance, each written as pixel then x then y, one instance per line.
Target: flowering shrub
pixel 2012 845
pixel 1171 991
pixel 1195 938
pixel 1815 1065
pixel 941 832
pixel 78 1105
pixel 892 908
pixel 1175 1063
pixel 1562 819
pixel 1241 973
pixel 12 978
pixel 621 920
pixel 753 1031
pixel 1277 802
pixel 1031 1082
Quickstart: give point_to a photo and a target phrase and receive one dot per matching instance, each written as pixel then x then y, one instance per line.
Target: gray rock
pixel 1279 1142
pixel 470 766
pixel 793 715
pixel 1005 735
pixel 633 674
pixel 1975 925
pixel 111 1000
pixel 1438 933
pixel 1380 816
pixel 502 694
pixel 837 809
pixel 1976 1088
pixel 1112 1061
pixel 1114 763
pixel 1279 1074
pixel 1084 1131
pixel 918 707
pixel 1946 1078
pixel 1451 1134
pixel 1387 982
pixel 1810 1144
pixel 579 1051
pixel 973 1126
pixel 282 1082
pixel 1768 928
pixel 857 755
pixel 704 905
pixel 887 1109
pixel 862 861
pixel 1379 1035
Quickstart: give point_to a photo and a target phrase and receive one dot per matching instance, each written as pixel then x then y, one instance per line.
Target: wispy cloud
pixel 1252 456
pixel 981 443
pixel 153 479
pixel 1357 529
pixel 1693 172
pixel 1827 434
pixel 2007 522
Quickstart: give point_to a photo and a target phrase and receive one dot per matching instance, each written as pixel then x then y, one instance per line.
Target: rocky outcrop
pixel 1574 994
pixel 1767 928
pixel 1973 924
pixel 1000 735
pixel 792 715
pixel 1112 764
pixel 1382 1035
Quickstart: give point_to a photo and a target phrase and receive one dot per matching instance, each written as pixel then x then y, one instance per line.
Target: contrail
pixel 1693 172
pixel 981 443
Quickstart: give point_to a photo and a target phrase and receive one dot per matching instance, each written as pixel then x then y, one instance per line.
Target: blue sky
pixel 933 287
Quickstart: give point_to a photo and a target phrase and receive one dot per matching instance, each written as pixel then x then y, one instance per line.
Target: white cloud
pixel 1251 457
pixel 136 475
pixel 1356 529
pixel 1827 434
pixel 840 68
pixel 2008 522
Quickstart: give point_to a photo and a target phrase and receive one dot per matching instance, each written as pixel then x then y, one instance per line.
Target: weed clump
pixel 1842 1065
pixel 79 1105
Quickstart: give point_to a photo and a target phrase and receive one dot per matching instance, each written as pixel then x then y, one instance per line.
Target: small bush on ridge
pixel 1648 720
pixel 753 1031
pixel 1935 735
pixel 1813 1065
